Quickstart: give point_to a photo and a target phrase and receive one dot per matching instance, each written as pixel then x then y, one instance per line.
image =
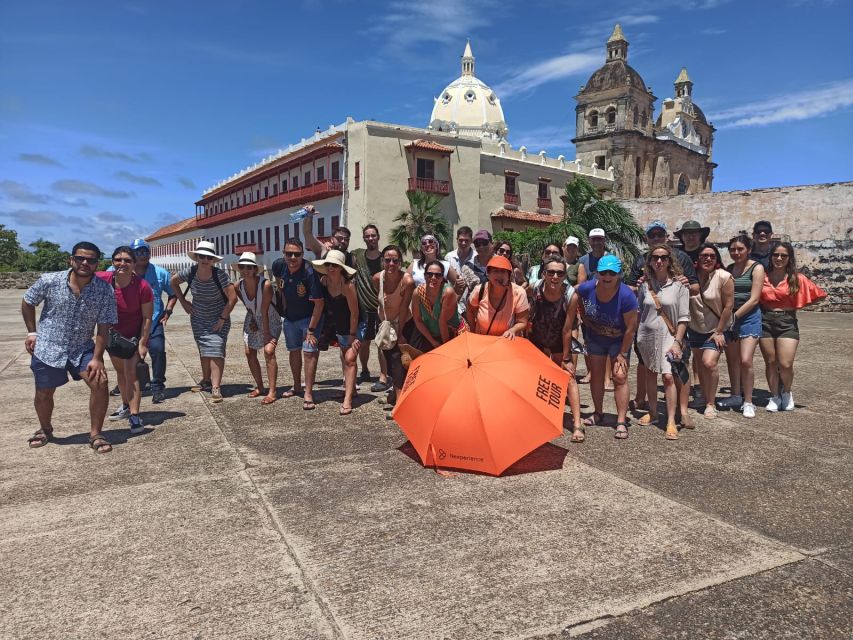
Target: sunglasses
pixel 89 261
pixel 763 232
pixel 481 243
pixel 123 260
pixel 708 256
pixel 245 266
pixel 552 253
pixel 555 272
pixel 292 254
pixel 427 243
pixel 143 254
pixel 431 274
pixel 204 257
pixel 780 255
pixel 660 258
pixel 503 252
pixel 392 260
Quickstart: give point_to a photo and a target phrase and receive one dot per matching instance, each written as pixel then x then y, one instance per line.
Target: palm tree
pixel 584 209
pixel 421 218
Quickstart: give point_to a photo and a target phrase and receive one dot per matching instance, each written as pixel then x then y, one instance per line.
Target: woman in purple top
pixel 609 312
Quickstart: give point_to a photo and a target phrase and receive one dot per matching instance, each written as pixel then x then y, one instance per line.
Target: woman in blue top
pixel 609 312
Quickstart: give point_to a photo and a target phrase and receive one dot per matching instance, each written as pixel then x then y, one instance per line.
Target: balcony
pixel 309 193
pixel 441 187
pixel 254 247
pixel 543 203
pixel 610 127
pixel 512 198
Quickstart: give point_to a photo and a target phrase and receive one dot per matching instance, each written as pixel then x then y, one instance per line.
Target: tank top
pixel 339 308
pixel 743 285
pixel 418 271
pixel 430 318
pixel 395 298
pixel 253 305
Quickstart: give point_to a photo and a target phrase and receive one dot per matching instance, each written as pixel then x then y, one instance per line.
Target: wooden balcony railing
pixel 310 193
pixel 543 203
pixel 512 198
pixel 441 187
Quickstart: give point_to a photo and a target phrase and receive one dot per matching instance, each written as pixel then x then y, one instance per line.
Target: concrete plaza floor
pixel 244 521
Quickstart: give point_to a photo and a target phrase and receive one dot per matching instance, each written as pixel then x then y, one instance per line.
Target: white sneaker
pixel 787 401
pixel 774 403
pixel 748 410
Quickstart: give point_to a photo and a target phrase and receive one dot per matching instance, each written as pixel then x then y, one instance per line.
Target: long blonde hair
pixel 674 268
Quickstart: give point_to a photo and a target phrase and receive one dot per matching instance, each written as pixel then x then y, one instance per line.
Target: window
pixel 636 118
pixel 509 184
pixel 257 195
pixel 611 116
pixel 321 227
pixel 683 185
pixel 277 236
pixel 275 189
pixel 599 162
pixel 593 119
pixel 426 169
pixel 307 180
pixel 246 237
pixel 336 222
pixel 235 238
pixel 216 244
pixel 284 186
pixel 261 239
pixel 295 230
pixel 321 174
pixel 268 247
pixel 336 170
pixel 266 192
pixel 357 175
pixel 252 237
pixel 543 189
pixel 294 183
pixel 286 233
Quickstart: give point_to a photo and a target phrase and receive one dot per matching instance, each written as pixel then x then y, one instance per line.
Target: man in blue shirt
pixel 75 302
pixel 303 312
pixel 159 279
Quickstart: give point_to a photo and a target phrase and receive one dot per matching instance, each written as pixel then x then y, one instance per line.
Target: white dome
pixel 468 106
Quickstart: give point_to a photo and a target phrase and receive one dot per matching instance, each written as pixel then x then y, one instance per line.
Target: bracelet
pixel 32 333
pixel 169 312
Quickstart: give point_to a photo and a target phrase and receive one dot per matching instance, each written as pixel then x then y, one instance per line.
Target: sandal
pixel 268 399
pixel 345 411
pixel 291 393
pixel 633 405
pixel 203 385
pixel 687 422
pixel 308 405
pixel 254 393
pixel 216 395
pixel 621 431
pixel 40 438
pixel 671 431
pixel 710 412
pixel 99 444
pixel 647 419
pixel 578 435
pixel 593 420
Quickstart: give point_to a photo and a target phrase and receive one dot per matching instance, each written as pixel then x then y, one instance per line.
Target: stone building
pixel 616 127
pixel 359 172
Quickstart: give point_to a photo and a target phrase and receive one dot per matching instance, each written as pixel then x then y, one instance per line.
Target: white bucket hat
pixel 333 257
pixel 249 258
pixel 204 248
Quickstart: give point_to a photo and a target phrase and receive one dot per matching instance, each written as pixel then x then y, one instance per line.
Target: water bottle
pixel 302 213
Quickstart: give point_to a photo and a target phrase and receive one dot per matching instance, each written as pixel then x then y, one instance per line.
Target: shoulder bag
pixel 678 366
pixel 386 334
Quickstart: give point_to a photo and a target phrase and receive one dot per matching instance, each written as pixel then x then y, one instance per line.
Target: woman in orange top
pixel 784 291
pixel 498 307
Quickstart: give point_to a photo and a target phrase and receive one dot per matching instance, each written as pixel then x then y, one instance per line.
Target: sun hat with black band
pixel 204 248
pixel 248 258
pixel 693 225
pixel 334 257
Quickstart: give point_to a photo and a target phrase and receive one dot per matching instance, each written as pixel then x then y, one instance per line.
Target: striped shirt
pixel 208 301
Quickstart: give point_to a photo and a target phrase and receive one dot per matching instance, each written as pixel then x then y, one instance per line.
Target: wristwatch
pixel 310 330
pixel 625 354
pixel 169 312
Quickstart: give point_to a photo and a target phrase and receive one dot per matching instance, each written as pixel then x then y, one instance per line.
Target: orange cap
pixel 499 262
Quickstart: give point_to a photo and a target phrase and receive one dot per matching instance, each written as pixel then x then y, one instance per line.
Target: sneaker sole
pixel 116 418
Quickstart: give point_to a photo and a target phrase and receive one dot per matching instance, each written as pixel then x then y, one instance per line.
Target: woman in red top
pixel 784 291
pixel 135 303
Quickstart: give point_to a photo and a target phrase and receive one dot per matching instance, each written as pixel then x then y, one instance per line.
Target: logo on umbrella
pixel 410 379
pixel 441 454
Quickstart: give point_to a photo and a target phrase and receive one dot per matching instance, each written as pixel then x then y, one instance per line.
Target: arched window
pixel 593 119
pixel 611 116
pixel 683 184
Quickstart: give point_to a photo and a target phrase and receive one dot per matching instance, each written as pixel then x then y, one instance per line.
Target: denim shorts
pixel 296 332
pixel 703 340
pixel 48 377
pixel 749 326
pixel 596 346
pixel 344 341
pixel 368 321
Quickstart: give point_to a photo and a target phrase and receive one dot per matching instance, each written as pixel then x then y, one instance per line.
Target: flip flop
pixel 578 435
pixel 308 405
pixel 647 419
pixel 268 399
pixel 671 432
pixel 345 411
pixel 593 420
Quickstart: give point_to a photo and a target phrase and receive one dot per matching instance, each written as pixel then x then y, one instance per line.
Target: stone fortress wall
pixel 816 219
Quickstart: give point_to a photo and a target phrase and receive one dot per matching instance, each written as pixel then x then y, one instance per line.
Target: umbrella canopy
pixel 481 403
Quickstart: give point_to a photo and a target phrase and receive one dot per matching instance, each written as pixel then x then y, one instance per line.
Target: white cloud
pixel 786 108
pixel 713 32
pixel 557 68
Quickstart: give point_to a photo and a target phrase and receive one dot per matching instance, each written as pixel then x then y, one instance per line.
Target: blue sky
pixel 114 116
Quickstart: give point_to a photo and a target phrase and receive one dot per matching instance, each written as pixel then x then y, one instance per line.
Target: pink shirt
pixel 129 301
pixel 516 302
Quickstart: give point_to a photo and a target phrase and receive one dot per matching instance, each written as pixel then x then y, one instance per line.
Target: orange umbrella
pixel 481 403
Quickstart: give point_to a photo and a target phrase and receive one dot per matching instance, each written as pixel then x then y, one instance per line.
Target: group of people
pixel 672 303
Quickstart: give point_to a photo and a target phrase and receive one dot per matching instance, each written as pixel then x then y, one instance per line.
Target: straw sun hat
pixel 204 248
pixel 333 257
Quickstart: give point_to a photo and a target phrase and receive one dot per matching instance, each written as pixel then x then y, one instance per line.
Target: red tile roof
pixel 172 229
pixel 530 216
pixel 429 145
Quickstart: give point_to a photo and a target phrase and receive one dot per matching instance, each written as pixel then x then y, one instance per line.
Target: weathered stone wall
pixel 817 219
pixel 18 279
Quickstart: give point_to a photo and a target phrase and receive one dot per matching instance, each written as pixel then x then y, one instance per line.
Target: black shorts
pixel 368 322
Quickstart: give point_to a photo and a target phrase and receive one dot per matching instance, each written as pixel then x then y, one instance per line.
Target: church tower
pixel 615 127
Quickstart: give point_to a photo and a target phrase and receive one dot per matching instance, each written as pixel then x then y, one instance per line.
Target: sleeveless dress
pixel 208 305
pixel 749 326
pixel 254 339
pixel 430 316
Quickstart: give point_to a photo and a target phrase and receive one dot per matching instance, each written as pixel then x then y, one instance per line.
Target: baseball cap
pixel 655 224
pixel 762 224
pixel 499 262
pixel 572 240
pixel 610 263
pixel 597 233
pixel 482 234
pixel 139 243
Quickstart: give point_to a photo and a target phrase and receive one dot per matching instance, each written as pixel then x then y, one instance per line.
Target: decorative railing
pixel 543 203
pixel 441 187
pixel 512 198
